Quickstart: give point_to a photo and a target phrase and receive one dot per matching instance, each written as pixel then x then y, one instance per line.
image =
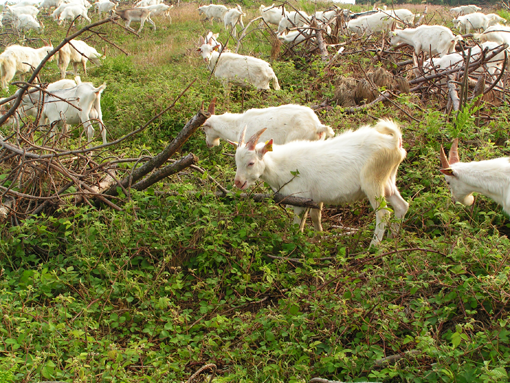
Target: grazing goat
pixel 57 12
pixel 236 68
pixel 18 59
pixel 284 123
pixel 27 10
pixel 71 12
pixel 473 20
pixel 465 9
pixel 490 178
pixel 292 20
pixel 326 16
pixel 27 3
pixel 233 17
pixel 434 39
pixel 147 3
pixel 77 51
pixel 212 12
pixel 84 96
pixel 493 19
pixel 105 7
pixel 376 22
pixel 48 4
pixel 159 9
pixel 26 23
pixel 30 108
pixel 272 15
pixel 497 33
pixel 137 15
pixel 347 168
pixel 456 60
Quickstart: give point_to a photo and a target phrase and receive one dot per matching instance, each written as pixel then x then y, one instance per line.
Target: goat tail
pixel 276 85
pixel 326 131
pixel 100 89
pixel 390 128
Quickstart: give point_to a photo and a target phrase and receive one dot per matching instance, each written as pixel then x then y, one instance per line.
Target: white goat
pixel 26 23
pixel 85 96
pixel 376 22
pixel 159 9
pixel 465 9
pixel 326 16
pixel 272 15
pixel 497 33
pixel 137 15
pixel 71 12
pixel 27 10
pixel 435 39
pixel 57 12
pixel 77 51
pixel 147 3
pixel 472 20
pixel 350 167
pixel 493 19
pixel 48 4
pixel 18 59
pixel 29 108
pixel 212 12
pixel 284 123
pixel 456 60
pixel 490 178
pixel 236 68
pixel 25 3
pixel 233 17
pixel 104 7
pixel 293 19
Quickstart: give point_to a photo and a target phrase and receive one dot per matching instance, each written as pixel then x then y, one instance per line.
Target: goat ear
pixel 210 42
pixel 252 142
pixel 212 106
pixel 444 161
pixel 447 172
pixel 216 47
pixel 201 41
pixel 453 156
pixel 268 147
pixel 233 143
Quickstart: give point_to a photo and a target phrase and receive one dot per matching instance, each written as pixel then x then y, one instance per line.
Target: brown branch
pixel 168 170
pixel 156 161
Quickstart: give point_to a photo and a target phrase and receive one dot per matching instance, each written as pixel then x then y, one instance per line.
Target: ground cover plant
pixel 183 279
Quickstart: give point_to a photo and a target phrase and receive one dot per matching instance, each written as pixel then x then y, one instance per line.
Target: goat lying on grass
pixel 349 167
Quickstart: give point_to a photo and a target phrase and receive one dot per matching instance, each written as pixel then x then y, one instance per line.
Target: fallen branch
pixel 158 160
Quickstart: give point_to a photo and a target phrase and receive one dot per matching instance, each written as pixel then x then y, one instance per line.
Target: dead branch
pixel 168 170
pixel 156 161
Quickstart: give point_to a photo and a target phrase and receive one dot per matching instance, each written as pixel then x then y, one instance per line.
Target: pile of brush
pixel 352 92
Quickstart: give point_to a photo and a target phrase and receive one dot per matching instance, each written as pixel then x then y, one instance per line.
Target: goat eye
pixel 251 164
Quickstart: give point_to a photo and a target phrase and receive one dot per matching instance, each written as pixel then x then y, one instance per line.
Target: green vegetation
pixel 181 278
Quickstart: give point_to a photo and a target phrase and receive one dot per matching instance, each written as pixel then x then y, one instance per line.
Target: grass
pixel 181 279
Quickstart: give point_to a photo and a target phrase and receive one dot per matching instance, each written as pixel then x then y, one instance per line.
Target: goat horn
pixel 252 142
pixel 241 137
pixel 202 107
pixel 444 160
pixel 453 156
pixel 212 106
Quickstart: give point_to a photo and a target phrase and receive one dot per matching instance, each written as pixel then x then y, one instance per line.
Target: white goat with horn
pixel 490 178
pixel 349 167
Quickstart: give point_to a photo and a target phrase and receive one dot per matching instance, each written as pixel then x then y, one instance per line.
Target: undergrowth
pixel 181 278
